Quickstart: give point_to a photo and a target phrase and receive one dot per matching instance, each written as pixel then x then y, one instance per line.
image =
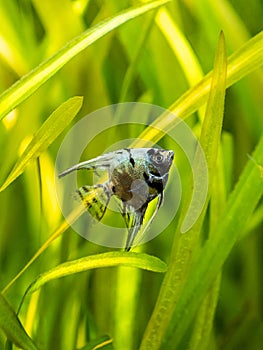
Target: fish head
pixel 159 161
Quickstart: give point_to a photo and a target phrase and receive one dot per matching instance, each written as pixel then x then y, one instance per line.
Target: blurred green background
pixel 155 59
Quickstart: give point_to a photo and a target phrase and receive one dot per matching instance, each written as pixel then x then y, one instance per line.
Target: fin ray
pixel 95 199
pixel 100 163
pixel 133 220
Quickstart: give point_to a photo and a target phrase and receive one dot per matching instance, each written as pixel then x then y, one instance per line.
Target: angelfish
pixel 135 176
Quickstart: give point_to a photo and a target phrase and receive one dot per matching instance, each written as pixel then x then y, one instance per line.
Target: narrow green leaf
pixel 183 246
pixel 127 292
pixel 242 62
pixel 132 259
pixel 210 139
pixel 12 327
pixel 180 46
pixel 239 209
pixel 205 317
pixel 59 231
pixel 211 127
pixel 104 343
pixel 34 79
pixel 47 133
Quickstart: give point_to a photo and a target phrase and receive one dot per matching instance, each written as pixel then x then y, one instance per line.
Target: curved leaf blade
pixel 47 133
pixel 131 259
pixel 29 83
pixel 182 250
pixel 12 327
pixel 241 63
pixel 239 208
pixel 103 343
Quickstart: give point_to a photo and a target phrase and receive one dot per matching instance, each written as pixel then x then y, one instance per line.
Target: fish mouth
pixel 171 155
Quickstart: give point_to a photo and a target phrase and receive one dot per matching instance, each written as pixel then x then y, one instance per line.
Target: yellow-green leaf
pixel 132 259
pixel 102 343
pixel 242 62
pixel 182 250
pixel 47 133
pixel 38 76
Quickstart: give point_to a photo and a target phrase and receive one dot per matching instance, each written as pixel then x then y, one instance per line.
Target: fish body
pixel 135 176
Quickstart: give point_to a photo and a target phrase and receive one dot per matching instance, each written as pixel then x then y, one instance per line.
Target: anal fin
pixel 134 221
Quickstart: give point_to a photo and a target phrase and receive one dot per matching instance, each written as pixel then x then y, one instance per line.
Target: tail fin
pixel 95 199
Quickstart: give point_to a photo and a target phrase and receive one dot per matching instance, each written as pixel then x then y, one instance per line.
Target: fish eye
pixel 158 158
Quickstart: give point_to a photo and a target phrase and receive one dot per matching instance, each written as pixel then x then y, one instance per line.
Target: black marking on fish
pixel 154 172
pixel 131 159
pixel 157 185
pixel 85 188
pixel 80 194
pixel 132 162
pixel 146 176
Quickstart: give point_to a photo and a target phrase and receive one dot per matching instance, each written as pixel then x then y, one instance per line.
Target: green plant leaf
pixel 210 140
pixel 239 208
pixel 47 133
pixel 57 232
pixel 12 327
pixel 104 343
pixel 184 244
pixel 205 317
pixel 242 62
pixel 212 126
pixel 132 259
pixel 34 79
